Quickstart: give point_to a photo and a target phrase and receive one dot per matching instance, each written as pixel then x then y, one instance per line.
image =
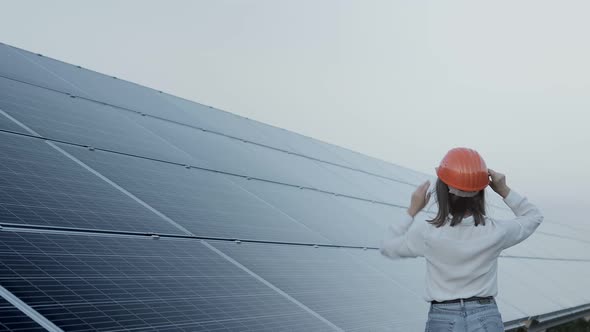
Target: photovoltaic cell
pixel 40 186
pixel 98 283
pixel 349 293
pixel 14 320
pixel 58 116
pixel 205 203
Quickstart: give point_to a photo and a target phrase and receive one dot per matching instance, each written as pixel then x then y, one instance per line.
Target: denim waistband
pixel 465 302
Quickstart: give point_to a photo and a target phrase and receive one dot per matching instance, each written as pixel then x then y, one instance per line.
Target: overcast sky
pixel 403 81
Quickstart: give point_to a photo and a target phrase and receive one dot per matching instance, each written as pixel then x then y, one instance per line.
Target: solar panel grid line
pixel 20 124
pixel 35 228
pixel 547 258
pixel 33 84
pixel 64 230
pixel 564 237
pixel 13 319
pixel 278 290
pixel 27 310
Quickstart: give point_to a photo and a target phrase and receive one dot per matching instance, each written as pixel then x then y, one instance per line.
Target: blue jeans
pixel 472 316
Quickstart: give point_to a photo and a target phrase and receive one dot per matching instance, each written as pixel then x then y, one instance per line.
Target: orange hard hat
pixel 463 169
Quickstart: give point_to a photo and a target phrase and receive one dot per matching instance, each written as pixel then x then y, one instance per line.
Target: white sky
pixel 400 80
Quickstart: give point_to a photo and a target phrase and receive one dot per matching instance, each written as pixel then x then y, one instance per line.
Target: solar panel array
pixel 126 208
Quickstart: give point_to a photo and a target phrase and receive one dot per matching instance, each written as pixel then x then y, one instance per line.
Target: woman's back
pixel 461 245
pixel 461 260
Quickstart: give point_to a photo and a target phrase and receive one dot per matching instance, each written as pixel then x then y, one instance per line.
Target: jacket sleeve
pixel 528 218
pixel 405 238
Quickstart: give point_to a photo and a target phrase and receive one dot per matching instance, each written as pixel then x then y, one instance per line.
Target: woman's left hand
pixel 420 198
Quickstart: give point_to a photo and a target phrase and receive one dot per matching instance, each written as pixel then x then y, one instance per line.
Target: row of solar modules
pixel 132 119
pixel 121 282
pixel 96 282
pixel 41 186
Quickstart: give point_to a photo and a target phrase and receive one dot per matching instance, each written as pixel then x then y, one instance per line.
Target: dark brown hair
pixel 457 206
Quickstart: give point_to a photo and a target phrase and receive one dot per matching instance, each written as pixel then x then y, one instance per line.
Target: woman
pixel 461 244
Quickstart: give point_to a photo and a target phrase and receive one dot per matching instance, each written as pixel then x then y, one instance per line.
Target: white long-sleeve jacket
pixel 461 261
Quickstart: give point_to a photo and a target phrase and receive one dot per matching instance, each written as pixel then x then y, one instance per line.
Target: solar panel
pixel 347 292
pixel 14 65
pixel 238 206
pixel 383 190
pixel 564 278
pixel 410 273
pixel 520 293
pixel 58 116
pixel 40 186
pixel 206 203
pixel 133 97
pixel 90 283
pixel 222 153
pixel 553 247
pixel 333 217
pixel 88 84
pixel 225 123
pixel 12 319
pixel 370 165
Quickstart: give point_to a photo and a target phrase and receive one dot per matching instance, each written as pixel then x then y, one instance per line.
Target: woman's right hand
pixel 498 183
pixel 419 199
